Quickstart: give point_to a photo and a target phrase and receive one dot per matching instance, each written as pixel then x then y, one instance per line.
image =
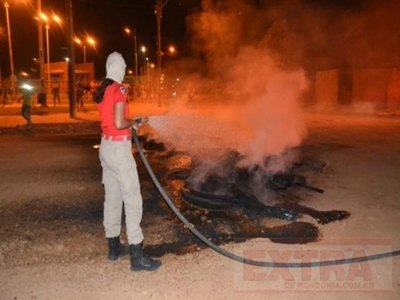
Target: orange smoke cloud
pixel 264 120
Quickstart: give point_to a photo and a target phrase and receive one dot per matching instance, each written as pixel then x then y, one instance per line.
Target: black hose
pixel 268 264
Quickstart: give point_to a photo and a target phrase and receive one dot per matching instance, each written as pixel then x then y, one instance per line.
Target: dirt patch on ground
pixel 53 245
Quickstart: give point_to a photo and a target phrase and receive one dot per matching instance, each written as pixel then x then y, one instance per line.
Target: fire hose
pixel 268 264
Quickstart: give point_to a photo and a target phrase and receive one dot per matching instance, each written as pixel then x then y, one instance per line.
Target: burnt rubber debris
pixel 226 207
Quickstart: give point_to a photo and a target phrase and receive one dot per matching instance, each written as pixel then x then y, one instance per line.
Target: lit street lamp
pixel 172 50
pixel 88 41
pixel 6 6
pixel 129 32
pixel 143 49
pixel 56 19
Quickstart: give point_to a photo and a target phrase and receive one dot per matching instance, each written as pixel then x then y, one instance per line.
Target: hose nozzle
pixel 139 121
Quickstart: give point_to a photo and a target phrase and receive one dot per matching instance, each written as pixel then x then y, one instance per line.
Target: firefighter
pixel 120 176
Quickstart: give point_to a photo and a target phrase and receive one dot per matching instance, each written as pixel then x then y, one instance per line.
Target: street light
pixel 88 41
pixel 48 58
pixel 133 32
pixel 143 49
pixel 171 50
pixel 10 50
pixel 148 72
pixel 46 19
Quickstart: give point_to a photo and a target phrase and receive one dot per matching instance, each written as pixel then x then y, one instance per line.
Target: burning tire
pixel 208 201
pixel 179 173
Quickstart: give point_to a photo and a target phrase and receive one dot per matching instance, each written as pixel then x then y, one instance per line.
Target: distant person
pixel 80 93
pixel 26 109
pixel 93 86
pixel 120 176
pixel 56 93
pixel 5 96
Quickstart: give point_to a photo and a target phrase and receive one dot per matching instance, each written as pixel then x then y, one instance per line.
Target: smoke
pixel 272 114
pixel 262 117
pixel 259 55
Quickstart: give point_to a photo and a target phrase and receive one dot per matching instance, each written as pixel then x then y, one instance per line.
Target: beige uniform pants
pixel 121 184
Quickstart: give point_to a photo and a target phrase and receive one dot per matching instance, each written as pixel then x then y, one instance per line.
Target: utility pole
pixel 41 54
pixel 135 49
pixel 71 61
pixel 48 59
pixel 159 7
pixel 10 50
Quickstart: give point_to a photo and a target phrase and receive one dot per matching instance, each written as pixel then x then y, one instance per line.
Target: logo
pixel 123 89
pixel 371 276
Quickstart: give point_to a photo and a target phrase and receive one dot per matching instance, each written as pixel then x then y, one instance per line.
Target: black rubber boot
pixel 116 249
pixel 140 261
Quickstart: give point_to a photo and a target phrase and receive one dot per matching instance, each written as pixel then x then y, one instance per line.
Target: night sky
pixel 102 19
pixel 306 34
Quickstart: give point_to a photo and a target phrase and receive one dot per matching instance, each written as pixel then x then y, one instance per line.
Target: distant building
pixel 362 88
pixel 59 72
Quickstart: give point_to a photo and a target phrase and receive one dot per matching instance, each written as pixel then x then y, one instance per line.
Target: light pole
pixel 56 19
pixel 84 53
pixel 40 54
pixel 159 7
pixel 6 6
pixel 80 43
pixel 48 59
pixel 89 40
pixel 71 58
pixel 148 73
pixel 143 49
pixel 133 32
